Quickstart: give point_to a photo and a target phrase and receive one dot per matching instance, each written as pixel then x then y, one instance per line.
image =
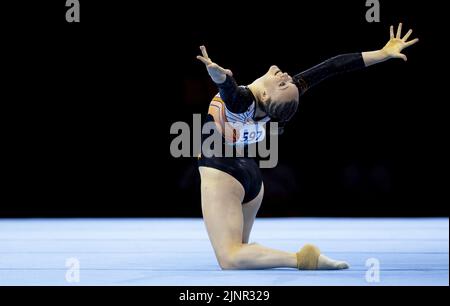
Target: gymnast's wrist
pixel 384 55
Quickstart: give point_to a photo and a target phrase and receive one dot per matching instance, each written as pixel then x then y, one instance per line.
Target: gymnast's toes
pixel 326 263
pixel 342 265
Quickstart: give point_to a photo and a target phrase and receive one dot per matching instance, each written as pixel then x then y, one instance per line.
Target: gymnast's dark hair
pixel 281 111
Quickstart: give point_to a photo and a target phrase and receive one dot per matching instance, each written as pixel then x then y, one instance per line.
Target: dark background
pixel 88 107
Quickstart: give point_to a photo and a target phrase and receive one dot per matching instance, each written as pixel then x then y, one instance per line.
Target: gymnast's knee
pixel 226 264
pixel 229 260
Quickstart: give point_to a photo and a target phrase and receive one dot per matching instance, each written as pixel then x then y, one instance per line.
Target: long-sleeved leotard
pixel 334 66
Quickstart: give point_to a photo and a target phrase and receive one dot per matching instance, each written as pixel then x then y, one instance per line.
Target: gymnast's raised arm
pixel 355 61
pixel 237 99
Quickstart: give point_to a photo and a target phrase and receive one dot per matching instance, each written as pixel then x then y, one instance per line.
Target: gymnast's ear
pixel 265 97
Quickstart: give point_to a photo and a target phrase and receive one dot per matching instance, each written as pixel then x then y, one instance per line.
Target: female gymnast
pixel 232 187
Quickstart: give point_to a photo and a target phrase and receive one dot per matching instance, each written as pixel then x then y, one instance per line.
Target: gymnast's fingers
pixel 399 31
pixel 204 52
pixel 405 38
pixel 229 72
pixel 412 42
pixel 203 60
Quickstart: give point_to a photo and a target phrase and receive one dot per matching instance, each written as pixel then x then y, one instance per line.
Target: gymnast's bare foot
pixel 326 263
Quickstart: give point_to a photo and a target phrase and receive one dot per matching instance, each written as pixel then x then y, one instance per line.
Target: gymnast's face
pixel 279 86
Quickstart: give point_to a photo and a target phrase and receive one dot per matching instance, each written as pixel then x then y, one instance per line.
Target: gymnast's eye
pixel 282 84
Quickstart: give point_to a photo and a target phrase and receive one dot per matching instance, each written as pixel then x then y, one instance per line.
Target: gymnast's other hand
pixel 217 73
pixel 397 44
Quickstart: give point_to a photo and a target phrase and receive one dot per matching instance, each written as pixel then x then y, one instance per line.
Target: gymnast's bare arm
pixel 393 49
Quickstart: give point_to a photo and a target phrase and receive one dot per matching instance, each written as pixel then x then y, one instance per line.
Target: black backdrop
pixel 89 105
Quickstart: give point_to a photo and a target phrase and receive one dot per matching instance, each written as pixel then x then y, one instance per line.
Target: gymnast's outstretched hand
pixel 217 73
pixel 393 49
pixel 396 44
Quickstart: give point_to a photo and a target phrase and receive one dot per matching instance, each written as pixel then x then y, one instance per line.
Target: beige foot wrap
pixel 308 257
